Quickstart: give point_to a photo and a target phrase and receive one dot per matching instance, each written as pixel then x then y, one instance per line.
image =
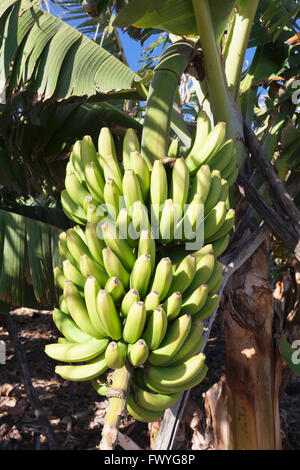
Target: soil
pixel 76 411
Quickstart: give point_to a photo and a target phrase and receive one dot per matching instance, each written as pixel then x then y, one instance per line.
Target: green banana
pixel 172 305
pixel 135 322
pixel 156 328
pixel 101 388
pixel 203 128
pixel 180 184
pixel 224 190
pixel 129 299
pixel 75 244
pixel 227 171
pixel 192 223
pixel 115 288
pixel 118 245
pixel 173 340
pixel 173 149
pixel 191 346
pixel 140 220
pixel 223 156
pixel 95 214
pixel 76 352
pixel 108 157
pixel 94 243
pixel 140 167
pixel 209 307
pixel 158 190
pixel 108 314
pixel 221 245
pixel 68 327
pixel 89 201
pixel 151 302
pixel 204 270
pixel 138 353
pixel 184 274
pixel 80 373
pixel 214 192
pixel 178 375
pixel 73 210
pixel 231 179
pixel 91 290
pixel 131 189
pixel 147 246
pixel 195 301
pixel 63 249
pixel 168 221
pixel 225 227
pixel 114 267
pixel 94 181
pixel 116 354
pixel 205 250
pixel 59 277
pixel 75 189
pixel 88 151
pixel 201 183
pixel 139 413
pixel 62 305
pixel 130 144
pixel 123 225
pixel 140 274
pixel 78 311
pixel 162 278
pixel 72 274
pixel 214 220
pixel 112 198
pixel 76 161
pixel 90 267
pixel 209 147
pixel 155 401
pixel 216 279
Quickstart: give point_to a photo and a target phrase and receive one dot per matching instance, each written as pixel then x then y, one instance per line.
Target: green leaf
pixel 291 356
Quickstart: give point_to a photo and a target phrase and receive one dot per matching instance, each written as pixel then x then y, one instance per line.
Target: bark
pixel 244 404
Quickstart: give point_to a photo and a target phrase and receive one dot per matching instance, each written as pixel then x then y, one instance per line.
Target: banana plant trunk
pixel 244 405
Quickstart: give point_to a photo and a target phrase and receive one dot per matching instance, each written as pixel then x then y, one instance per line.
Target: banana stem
pixel 117 394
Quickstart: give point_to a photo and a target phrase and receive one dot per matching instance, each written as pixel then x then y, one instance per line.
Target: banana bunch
pixel 121 299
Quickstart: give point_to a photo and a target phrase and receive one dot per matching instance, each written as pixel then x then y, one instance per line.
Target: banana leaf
pixel 28 254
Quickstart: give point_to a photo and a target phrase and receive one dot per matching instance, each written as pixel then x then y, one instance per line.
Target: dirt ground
pixel 76 411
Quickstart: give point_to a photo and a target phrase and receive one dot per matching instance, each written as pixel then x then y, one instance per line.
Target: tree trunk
pixel 244 404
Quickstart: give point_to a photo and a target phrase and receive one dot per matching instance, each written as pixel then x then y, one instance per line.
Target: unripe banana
pixel 118 245
pixel 123 225
pixel 201 183
pixel 91 290
pixel 94 181
pixel 204 270
pixel 80 373
pixel 130 144
pixel 209 147
pixel 108 157
pixel 205 250
pixel 224 190
pixel 62 340
pixel 114 267
pixel 221 245
pixel 75 244
pixel 158 189
pixel 184 274
pixel 191 346
pixel 156 328
pixel 151 302
pixel 140 275
pixel 99 384
pixel 78 311
pixel 140 220
pixel 135 322
pixel 89 267
pixel 227 171
pixel 108 314
pixel 138 353
pixel 172 305
pixel 168 222
pixel 147 246
pixel 112 198
pixel 155 401
pixel 95 214
pixel 195 301
pixel 79 230
pixel 116 354
pixel 76 352
pixel 226 226
pixel 131 189
pixel 94 243
pixel 140 167
pixel 72 274
pixel 129 299
pixel 180 184
pixel 216 279
pixel 163 278
pixel 73 210
pixel 62 305
pixel 214 192
pixel 68 327
pixel 203 128
pixel 192 223
pixel 89 201
pixel 76 161
pixel 173 149
pixel 63 249
pixel 223 156
pixel 115 288
pixel 177 375
pixel 75 189
pixel 231 179
pixel 214 220
pixel 88 151
pixel 59 277
pixel 139 413
pixel 173 340
pixel 209 307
